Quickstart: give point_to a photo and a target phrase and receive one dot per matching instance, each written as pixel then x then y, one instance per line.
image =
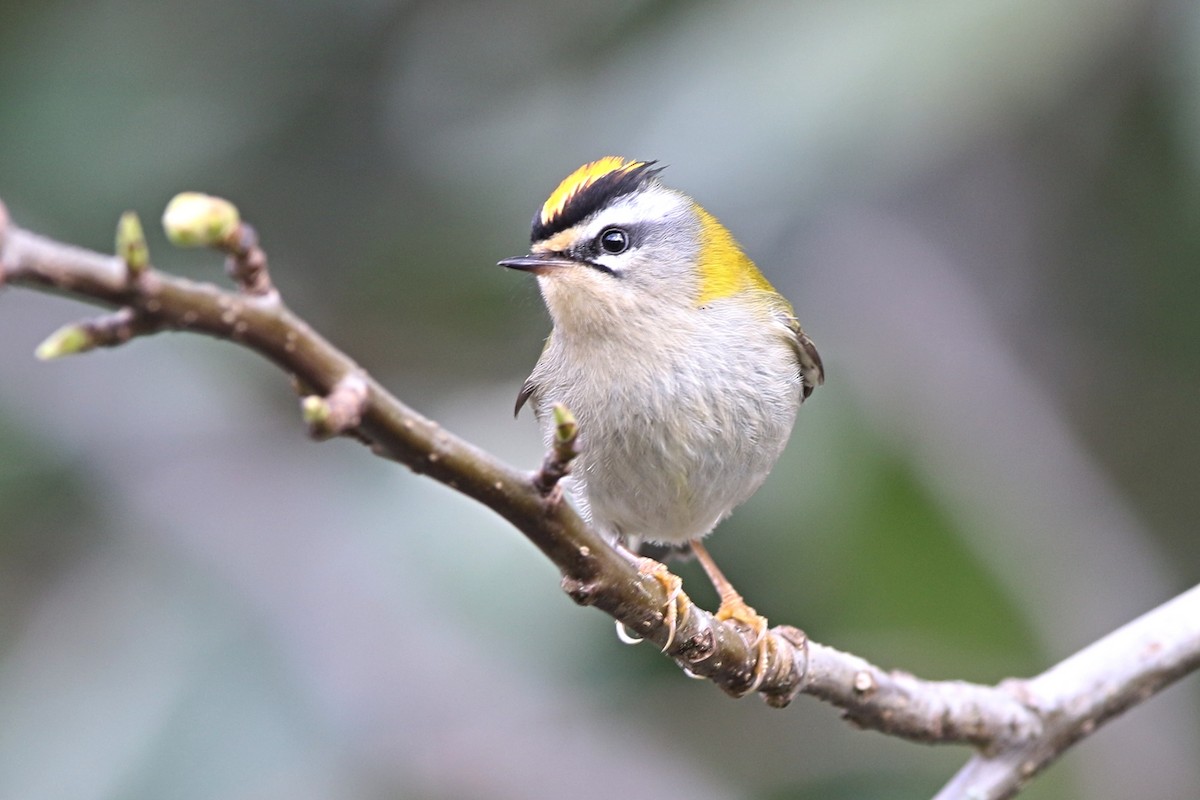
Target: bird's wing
pixel 534 382
pixel 812 371
pixel 527 390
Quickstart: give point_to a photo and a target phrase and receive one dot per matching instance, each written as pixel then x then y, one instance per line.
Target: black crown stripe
pixel 591 198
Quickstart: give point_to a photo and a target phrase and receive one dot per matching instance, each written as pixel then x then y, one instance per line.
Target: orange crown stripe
pixel 581 179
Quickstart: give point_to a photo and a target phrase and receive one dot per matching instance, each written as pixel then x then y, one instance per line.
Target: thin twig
pixel 557 463
pixel 1086 690
pixel 247 262
pixel 108 330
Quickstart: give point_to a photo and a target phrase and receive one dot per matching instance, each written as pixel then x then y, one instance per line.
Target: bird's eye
pixel 614 240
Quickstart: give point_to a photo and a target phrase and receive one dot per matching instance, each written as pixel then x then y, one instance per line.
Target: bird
pixel 682 365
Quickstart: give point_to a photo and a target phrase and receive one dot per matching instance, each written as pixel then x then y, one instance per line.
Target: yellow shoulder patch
pixel 724 269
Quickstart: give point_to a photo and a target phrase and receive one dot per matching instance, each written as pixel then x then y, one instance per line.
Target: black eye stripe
pixel 612 240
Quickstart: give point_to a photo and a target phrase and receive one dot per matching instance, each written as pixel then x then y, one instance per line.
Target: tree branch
pixel 1081 693
pixel 1018 727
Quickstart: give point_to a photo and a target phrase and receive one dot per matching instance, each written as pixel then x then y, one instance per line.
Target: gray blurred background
pixel 985 214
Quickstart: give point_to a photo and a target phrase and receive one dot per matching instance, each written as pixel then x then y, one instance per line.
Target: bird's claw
pixel 673 586
pixel 735 609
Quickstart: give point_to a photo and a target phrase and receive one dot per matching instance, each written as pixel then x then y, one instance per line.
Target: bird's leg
pixel 734 607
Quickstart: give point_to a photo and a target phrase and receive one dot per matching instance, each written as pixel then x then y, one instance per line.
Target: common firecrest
pixel 682 365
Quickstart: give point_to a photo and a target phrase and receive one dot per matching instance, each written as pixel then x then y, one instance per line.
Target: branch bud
pixel 316 413
pixel 565 427
pixel 193 219
pixel 557 462
pixel 66 341
pixel 131 244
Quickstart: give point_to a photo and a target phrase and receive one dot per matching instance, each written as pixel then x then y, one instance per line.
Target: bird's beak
pixel 537 263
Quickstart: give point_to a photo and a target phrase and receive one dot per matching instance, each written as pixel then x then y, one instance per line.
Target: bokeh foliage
pixel 984 212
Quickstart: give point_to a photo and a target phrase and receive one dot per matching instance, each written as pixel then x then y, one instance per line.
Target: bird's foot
pixel 734 608
pixel 673 586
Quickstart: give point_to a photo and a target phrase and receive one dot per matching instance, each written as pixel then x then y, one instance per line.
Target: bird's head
pixel 611 241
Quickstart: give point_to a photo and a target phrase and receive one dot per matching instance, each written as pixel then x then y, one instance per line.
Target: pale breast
pixel 675 434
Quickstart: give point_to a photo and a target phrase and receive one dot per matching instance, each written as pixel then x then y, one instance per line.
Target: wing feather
pixel 812 371
pixel 527 390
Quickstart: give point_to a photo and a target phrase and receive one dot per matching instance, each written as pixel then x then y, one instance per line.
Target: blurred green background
pixel 985 214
